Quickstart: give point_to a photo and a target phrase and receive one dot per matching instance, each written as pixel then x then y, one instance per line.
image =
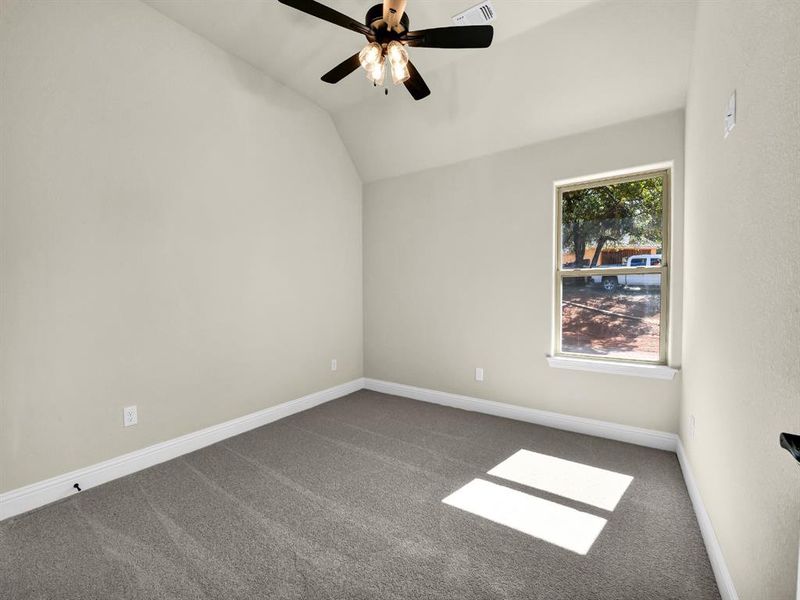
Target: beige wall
pixel 179 232
pixel 742 320
pixel 182 233
pixel 458 274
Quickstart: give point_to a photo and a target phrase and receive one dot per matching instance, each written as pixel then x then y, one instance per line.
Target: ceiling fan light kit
pixel 370 54
pixel 400 74
pixel 373 58
pixel 376 73
pixel 386 28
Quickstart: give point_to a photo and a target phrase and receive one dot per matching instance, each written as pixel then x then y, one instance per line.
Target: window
pixel 612 276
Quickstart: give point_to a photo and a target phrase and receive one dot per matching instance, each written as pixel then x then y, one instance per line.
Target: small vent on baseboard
pixel 479 14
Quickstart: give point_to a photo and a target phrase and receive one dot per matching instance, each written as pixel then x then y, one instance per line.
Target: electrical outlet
pixel 478 374
pixel 691 427
pixel 129 416
pixel 334 364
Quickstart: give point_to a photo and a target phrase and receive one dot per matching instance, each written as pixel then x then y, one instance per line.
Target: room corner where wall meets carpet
pixel 370 496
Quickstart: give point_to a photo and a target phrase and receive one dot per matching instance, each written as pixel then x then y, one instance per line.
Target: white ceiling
pixel 555 68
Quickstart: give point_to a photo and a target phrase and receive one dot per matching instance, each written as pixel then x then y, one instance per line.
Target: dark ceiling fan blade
pixel 471 36
pixel 342 70
pixel 328 14
pixel 416 84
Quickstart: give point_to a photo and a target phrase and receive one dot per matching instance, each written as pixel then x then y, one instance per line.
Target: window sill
pixel 612 367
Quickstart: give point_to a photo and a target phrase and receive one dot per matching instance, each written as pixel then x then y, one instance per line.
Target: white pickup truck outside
pixel 612 282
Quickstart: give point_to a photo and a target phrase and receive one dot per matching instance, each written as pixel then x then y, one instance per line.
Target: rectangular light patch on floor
pixel 560 525
pixel 569 479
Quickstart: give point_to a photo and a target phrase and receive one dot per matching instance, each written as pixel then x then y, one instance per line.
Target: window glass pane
pixel 607 224
pixel 612 316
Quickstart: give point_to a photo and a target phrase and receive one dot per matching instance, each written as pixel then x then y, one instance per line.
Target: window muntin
pixel 612 277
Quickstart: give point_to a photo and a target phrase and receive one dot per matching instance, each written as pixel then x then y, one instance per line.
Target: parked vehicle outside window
pixel 613 269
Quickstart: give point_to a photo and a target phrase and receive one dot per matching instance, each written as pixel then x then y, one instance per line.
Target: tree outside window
pixel 612 274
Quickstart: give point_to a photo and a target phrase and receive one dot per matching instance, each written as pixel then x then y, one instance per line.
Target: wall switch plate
pixel 691 427
pixel 730 114
pixel 129 416
pixel 334 364
pixel 478 374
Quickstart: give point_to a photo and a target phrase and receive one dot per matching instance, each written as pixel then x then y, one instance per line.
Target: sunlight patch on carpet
pixel 576 481
pixel 560 525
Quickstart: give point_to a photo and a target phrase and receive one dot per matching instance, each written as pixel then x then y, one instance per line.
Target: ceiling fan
pixel 386 29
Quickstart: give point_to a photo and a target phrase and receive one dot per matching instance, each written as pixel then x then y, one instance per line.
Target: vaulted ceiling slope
pixel 555 68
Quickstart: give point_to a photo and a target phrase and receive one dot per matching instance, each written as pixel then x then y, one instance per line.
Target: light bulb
pixel 370 55
pixel 397 53
pixel 376 73
pixel 399 73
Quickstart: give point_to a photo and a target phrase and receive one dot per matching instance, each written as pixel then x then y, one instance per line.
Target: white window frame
pixel 562 273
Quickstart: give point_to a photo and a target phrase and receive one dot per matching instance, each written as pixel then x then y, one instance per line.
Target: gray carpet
pixel 344 501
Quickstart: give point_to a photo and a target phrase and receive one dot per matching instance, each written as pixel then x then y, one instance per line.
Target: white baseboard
pixel 723 576
pixel 44 492
pixel 623 433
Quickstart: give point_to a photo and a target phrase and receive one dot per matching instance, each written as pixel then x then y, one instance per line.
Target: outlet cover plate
pixel 130 416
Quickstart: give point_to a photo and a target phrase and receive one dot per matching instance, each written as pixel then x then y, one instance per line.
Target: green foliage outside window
pixel 612 215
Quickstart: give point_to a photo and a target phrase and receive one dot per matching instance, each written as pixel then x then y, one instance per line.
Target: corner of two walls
pixel 179 232
pixel 147 248
pixel 741 374
pixel 123 202
pixel 459 275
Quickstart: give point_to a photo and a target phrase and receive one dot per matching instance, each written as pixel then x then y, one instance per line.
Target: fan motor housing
pixel 375 14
